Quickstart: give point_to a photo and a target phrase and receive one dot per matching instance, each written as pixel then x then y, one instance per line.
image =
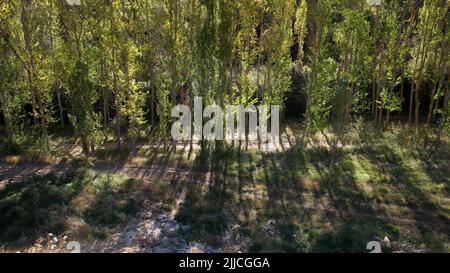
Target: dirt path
pixel 13 173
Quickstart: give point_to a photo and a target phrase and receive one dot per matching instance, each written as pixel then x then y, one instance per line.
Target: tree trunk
pixel 152 106
pixel 431 106
pixel 7 117
pixel 116 97
pixel 411 99
pixel 374 88
pixel 380 118
pixel 104 93
pixel 446 99
pixel 173 13
pixel 150 74
pixel 60 107
pixel 440 66
pixel 115 87
pixel 388 116
pixel 423 57
pixel 417 99
pixel 24 18
pixel 125 54
pixel 378 107
pixel 402 87
pixel 105 107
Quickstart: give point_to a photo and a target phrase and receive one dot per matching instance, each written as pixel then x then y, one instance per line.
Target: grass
pixel 380 187
pixel 81 204
pixel 394 183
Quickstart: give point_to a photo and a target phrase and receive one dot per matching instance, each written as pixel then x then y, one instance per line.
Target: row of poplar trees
pixel 121 65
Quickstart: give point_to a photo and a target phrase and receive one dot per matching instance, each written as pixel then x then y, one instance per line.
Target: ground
pixel 228 198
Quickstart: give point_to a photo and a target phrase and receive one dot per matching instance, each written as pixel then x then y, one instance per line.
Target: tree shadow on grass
pixel 112 154
pixel 39 205
pixel 116 199
pixel 352 235
pixel 436 164
pixel 35 206
pixel 297 207
pixel 217 191
pixel 248 189
pixel 411 182
pixel 203 207
pixel 231 187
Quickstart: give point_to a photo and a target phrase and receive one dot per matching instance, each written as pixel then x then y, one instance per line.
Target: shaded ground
pixel 238 198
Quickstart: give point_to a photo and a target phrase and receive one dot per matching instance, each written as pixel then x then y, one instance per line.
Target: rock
pixel 165 240
pixel 143 241
pixel 154 233
pixel 147 215
pixel 377 239
pixel 170 225
pixel 162 217
pixel 159 249
pixel 386 242
pixel 270 229
pixel 185 228
pixel 194 249
pixel 171 232
pixel 178 242
pixel 129 250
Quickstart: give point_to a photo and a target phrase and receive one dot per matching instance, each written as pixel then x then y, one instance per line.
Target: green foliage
pixel 301 30
pixel 105 64
pixel 82 97
pixel 354 43
pixel 12 100
pixel 389 101
pixel 227 51
pixel 321 95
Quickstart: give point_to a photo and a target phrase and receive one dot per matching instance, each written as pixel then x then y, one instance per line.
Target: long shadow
pixel 40 205
pixel 113 203
pixel 199 210
pixel 437 166
pixel 335 214
pixel 35 206
pixel 352 235
pixel 214 201
pixel 297 208
pixel 404 180
pixel 282 175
